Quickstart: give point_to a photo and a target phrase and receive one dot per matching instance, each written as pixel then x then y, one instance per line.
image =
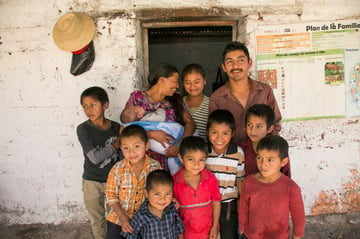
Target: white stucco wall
pixel 40 157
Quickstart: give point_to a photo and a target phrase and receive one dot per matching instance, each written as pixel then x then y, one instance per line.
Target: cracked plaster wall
pixel 40 157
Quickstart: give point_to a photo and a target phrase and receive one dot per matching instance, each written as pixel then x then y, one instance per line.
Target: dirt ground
pixel 335 226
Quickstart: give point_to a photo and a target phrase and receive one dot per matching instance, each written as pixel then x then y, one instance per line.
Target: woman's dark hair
pixel 167 70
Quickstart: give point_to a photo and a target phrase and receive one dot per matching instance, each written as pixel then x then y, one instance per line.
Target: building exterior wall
pixel 40 157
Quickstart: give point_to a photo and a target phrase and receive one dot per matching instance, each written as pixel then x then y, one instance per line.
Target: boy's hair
pixel 95 92
pixel 158 176
pixel 193 68
pixel 192 143
pixel 134 130
pixel 221 116
pixel 233 46
pixel 274 143
pixel 263 111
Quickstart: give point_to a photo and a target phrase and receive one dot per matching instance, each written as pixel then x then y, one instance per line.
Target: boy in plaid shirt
pixel 126 180
pixel 157 216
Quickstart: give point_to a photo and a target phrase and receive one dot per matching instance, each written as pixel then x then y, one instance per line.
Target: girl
pixel 194 80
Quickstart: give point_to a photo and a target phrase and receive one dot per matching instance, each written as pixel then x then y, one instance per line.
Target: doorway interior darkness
pixel 185 43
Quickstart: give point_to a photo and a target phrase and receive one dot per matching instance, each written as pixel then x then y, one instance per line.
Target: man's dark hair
pixel 134 130
pixel 221 116
pixel 158 176
pixel 274 143
pixel 192 143
pixel 262 111
pixel 95 92
pixel 233 46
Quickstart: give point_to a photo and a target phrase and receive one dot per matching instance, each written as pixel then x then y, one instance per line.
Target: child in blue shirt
pixel 157 216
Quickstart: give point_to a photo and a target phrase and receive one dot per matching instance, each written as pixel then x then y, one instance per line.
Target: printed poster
pixel 306 65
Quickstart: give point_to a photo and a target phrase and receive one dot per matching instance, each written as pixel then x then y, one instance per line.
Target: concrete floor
pixel 334 226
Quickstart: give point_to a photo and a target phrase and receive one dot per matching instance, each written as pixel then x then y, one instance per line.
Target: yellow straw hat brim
pixel 73 31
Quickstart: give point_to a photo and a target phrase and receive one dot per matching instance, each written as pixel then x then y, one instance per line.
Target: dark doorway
pixel 190 44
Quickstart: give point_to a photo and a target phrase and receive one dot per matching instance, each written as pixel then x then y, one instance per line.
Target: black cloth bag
pixel 219 80
pixel 82 61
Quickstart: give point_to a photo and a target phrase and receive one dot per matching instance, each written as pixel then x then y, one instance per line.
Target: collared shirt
pixel 227 167
pixel 250 159
pixel 196 206
pixel 260 93
pixel 123 187
pixel 148 226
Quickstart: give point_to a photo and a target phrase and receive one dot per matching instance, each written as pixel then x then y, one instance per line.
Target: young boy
pixel 157 216
pixel 126 180
pixel 197 191
pixel 226 161
pixel 156 121
pixel 260 120
pixel 98 138
pixel 268 196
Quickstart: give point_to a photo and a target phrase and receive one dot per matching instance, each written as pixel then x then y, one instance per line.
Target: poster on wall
pixel 308 67
pixel 352 76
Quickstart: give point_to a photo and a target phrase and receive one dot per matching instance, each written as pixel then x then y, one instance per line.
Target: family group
pixel 193 166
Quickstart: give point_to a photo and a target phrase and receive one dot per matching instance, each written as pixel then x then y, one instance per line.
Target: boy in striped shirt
pixel 226 161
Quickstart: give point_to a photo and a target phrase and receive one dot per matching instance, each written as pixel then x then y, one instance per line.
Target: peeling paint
pixel 346 200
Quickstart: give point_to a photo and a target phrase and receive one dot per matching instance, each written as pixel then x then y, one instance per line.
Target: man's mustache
pixel 239 69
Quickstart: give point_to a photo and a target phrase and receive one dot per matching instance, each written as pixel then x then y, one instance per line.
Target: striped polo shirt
pixel 227 167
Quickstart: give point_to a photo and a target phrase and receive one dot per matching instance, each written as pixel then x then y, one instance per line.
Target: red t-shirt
pixel 264 209
pixel 196 206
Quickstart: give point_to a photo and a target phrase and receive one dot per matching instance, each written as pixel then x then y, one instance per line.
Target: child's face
pixel 269 164
pixel 194 84
pixel 220 136
pixel 256 128
pixel 159 196
pixel 133 149
pixel 194 161
pixel 93 108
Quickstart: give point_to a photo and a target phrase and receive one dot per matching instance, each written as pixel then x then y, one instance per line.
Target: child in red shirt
pixel 268 196
pixel 197 191
pixel 259 122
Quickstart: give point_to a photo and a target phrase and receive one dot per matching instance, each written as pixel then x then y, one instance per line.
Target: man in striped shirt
pixel 226 161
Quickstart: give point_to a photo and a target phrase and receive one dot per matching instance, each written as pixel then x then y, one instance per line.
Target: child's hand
pixel 213 233
pixel 125 224
pixel 177 204
pixel 172 151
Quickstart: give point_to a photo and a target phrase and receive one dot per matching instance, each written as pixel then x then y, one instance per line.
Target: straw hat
pixel 73 31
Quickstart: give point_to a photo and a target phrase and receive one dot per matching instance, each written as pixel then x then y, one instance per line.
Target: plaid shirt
pixel 146 225
pixel 123 187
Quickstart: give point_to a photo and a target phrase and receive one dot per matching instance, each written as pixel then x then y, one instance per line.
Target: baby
pixel 156 121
